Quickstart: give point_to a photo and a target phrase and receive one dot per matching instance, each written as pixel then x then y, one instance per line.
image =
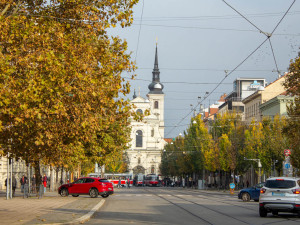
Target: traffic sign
pixel 232 185
pixel 287 152
pixel 287 165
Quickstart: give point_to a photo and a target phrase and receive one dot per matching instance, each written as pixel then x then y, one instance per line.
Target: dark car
pixel 251 193
pixel 87 186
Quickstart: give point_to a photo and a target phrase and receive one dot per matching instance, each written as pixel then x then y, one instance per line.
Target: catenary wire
pixel 268 36
pixel 140 28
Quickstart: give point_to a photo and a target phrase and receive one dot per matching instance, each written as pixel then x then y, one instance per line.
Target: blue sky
pixel 199 39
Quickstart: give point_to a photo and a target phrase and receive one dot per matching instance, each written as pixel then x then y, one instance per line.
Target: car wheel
pixel 262 212
pixel 94 193
pixel 105 196
pixel 75 195
pixel 245 197
pixel 274 213
pixel 64 192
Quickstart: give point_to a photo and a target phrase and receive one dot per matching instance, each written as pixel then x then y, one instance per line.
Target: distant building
pixel 242 88
pixel 147 136
pixel 276 106
pixel 262 95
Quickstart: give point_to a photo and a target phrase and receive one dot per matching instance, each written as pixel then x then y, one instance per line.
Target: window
pixel 156 105
pixel 139 112
pixel 152 169
pixel 280 183
pixel 152 132
pixel 79 181
pixel 139 139
pixel 89 180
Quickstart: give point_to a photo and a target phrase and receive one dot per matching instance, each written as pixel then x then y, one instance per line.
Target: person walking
pixel 128 182
pixel 119 183
pixel 45 182
pixel 14 185
pixel 23 181
pixel 33 184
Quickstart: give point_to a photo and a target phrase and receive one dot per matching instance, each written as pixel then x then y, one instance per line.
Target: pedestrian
pixel 128 182
pixel 23 181
pixel 119 183
pixel 247 183
pixel 14 185
pixel 45 182
pixel 33 184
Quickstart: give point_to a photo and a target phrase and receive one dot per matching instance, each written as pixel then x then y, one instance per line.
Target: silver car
pixel 280 194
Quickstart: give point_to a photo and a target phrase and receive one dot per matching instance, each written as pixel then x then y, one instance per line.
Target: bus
pixel 151 180
pixel 139 179
pixel 114 178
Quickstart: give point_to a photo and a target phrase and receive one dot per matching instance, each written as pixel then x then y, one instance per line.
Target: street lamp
pixel 259 167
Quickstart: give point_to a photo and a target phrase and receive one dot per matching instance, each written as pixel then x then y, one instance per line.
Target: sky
pixel 198 40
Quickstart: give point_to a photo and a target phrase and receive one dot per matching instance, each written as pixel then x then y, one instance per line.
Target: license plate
pixel 109 188
pixel 278 194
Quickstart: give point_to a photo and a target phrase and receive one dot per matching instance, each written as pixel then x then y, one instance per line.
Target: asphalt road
pixel 153 205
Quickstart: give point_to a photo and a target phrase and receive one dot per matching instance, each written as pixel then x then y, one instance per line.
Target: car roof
pixel 283 178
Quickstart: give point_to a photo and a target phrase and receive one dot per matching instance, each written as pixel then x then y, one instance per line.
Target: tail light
pixel 262 190
pixel 261 204
pixel 296 191
pixel 103 184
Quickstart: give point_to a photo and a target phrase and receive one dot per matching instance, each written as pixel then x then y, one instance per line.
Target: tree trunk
pixel 37 175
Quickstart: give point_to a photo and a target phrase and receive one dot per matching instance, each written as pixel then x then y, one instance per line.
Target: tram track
pixel 195 203
pixel 241 206
pixel 225 202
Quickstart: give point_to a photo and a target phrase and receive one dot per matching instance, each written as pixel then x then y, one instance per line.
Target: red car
pixel 87 186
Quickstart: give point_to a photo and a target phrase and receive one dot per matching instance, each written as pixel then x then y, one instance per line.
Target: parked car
pixel 280 194
pixel 251 193
pixel 87 186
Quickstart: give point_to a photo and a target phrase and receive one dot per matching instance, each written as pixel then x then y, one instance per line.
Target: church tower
pixel 156 95
pixel 147 136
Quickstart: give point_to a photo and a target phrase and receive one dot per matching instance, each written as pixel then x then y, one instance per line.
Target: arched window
pixel 139 139
pixel 139 112
pixel 156 105
pixel 152 169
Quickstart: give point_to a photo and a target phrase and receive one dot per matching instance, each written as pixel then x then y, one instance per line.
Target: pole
pixel 10 181
pixel 7 179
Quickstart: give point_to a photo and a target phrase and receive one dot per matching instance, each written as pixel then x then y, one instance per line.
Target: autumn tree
pixel 62 94
pixel 292 130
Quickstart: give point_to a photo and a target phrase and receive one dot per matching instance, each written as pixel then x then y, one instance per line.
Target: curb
pixel 82 219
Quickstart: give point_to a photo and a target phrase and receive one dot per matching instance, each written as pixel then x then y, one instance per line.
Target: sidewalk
pixel 51 209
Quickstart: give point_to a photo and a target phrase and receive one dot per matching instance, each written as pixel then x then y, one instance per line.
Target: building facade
pixel 253 102
pixel 147 136
pixel 242 88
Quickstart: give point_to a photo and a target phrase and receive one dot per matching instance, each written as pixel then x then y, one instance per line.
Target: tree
pixel 292 130
pixel 62 94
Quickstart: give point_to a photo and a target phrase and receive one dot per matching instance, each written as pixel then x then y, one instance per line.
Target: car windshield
pixel 280 184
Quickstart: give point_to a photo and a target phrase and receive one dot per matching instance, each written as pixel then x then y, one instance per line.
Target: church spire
pixel 134 95
pixel 155 72
pixel 156 87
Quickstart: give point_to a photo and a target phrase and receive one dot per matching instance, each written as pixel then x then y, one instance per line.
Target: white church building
pixel 147 136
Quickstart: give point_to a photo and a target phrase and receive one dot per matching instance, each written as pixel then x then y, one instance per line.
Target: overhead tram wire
pixel 268 36
pixel 140 28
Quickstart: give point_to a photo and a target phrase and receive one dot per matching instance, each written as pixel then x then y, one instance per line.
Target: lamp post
pixel 259 168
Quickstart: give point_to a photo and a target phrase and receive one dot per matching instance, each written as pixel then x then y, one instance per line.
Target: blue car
pixel 251 193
